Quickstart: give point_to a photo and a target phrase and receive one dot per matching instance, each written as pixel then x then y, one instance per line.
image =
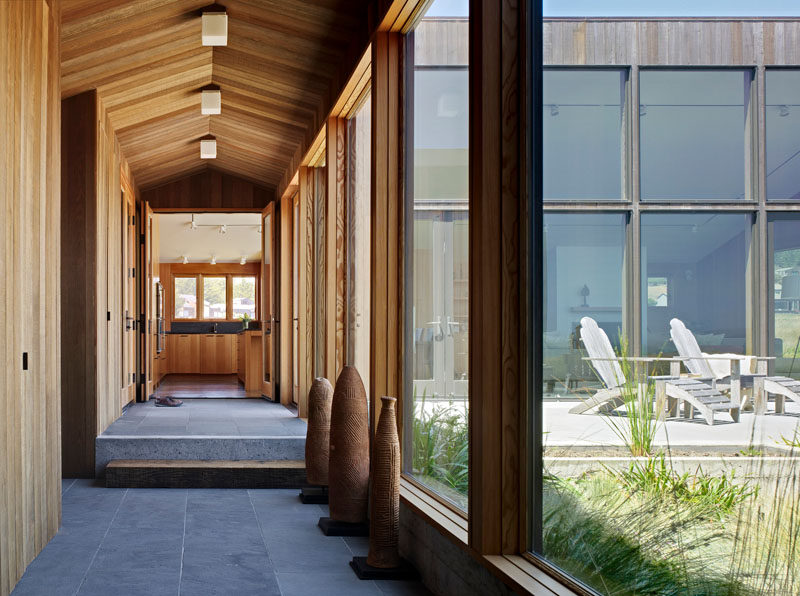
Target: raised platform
pixel 205 474
pixel 203 430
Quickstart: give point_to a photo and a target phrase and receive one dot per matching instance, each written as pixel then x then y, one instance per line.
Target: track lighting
pixel 213 259
pixel 243 261
pixel 185 259
pixel 223 229
pixel 193 225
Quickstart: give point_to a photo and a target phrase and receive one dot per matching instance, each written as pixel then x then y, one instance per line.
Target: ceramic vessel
pixel 319 431
pixel 348 468
pixel 384 525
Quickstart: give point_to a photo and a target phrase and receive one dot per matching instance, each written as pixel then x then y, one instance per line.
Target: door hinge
pixel 141 322
pixel 133 220
pixel 133 271
pixel 141 239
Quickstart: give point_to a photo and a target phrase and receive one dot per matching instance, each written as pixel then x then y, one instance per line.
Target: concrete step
pixel 205 474
pixel 110 447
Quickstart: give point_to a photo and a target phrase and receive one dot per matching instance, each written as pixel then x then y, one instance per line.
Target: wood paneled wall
pixel 92 293
pixel 30 449
pixel 209 189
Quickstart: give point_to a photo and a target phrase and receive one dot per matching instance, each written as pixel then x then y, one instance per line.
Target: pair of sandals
pixel 167 402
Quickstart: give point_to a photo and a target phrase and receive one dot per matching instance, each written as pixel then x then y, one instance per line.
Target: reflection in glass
pixel 784 234
pixel 214 297
pixel 783 135
pixel 244 296
pixel 438 259
pixel 583 131
pixel 185 297
pixel 359 139
pixel 693 134
pixel 583 265
pixel 703 258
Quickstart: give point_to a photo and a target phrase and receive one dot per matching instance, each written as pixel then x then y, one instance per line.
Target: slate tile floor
pixel 204 542
pixel 209 417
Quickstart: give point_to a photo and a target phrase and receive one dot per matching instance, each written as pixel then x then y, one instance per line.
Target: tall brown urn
pixel 384 525
pixel 319 431
pixel 348 471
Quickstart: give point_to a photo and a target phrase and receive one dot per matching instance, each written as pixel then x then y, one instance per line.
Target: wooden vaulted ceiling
pixel 147 63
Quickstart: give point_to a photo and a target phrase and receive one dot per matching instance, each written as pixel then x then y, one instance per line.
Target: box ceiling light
pixel 215 26
pixel 208 148
pixel 211 101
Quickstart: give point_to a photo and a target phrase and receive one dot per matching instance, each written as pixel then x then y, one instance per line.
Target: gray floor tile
pixel 331 584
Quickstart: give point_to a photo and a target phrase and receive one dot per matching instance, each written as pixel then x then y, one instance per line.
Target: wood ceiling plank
pixel 145 59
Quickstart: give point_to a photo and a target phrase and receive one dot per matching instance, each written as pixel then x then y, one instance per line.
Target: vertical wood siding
pixel 30 458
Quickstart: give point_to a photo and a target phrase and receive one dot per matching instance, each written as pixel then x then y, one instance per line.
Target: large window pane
pixel 185 297
pixel 783 134
pixel 244 297
pixel 694 268
pixel 784 238
pixel 694 134
pixel 583 264
pixel 583 132
pixel 438 255
pixel 214 297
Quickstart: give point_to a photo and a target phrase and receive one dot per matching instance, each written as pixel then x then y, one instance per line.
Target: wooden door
pixel 129 320
pixel 269 324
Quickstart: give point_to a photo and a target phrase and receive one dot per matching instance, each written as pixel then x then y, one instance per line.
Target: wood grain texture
pixel 209 189
pixel 336 248
pixel 496 307
pixel 671 41
pixel 305 315
pixel 91 175
pixel 276 74
pixel 386 265
pixel 30 446
pixel 285 299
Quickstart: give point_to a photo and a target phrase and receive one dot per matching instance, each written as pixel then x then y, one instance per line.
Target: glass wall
pixel 654 480
pixel 694 268
pixel 783 134
pixel 359 138
pixel 694 134
pixel 437 215
pixel 583 276
pixel 583 129
pixel 784 238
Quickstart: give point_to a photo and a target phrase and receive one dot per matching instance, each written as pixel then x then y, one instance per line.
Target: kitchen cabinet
pixel 183 353
pixel 217 354
pixel 194 353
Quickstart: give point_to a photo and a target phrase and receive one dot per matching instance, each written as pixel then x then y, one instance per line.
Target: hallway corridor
pixel 154 542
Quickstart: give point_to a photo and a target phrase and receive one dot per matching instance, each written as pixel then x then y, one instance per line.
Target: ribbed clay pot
pixel 348 466
pixel 318 435
pixel 384 526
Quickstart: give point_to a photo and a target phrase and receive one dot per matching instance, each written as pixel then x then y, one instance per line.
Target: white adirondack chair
pixel 700 363
pixel 705 398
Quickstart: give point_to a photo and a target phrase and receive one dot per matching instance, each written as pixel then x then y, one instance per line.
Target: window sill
pixel 516 571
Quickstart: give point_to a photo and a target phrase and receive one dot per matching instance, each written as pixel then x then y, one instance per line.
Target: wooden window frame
pixel 199 277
